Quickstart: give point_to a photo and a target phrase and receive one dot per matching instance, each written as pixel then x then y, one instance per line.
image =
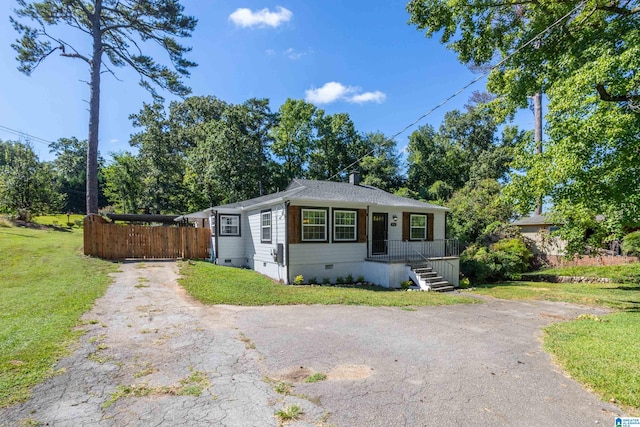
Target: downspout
pixel 215 237
pixel 286 241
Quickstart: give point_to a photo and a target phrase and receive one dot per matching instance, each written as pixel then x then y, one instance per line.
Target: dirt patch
pixel 295 374
pixel 554 316
pixel 350 372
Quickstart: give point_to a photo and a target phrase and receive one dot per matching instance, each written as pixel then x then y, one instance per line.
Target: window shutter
pixel 295 230
pixel 405 225
pixel 362 226
pixel 430 227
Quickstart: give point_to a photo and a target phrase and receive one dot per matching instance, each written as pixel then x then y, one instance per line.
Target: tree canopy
pixel 115 29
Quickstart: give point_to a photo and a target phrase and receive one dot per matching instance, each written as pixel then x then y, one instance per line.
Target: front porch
pixel 393 251
pixel 397 259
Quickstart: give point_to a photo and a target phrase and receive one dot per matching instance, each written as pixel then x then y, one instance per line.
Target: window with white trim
pixel 344 225
pixel 265 226
pixel 314 225
pixel 229 225
pixel 418 227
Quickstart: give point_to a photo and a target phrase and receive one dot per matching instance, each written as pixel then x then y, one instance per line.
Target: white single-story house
pixel 323 230
pixel 538 229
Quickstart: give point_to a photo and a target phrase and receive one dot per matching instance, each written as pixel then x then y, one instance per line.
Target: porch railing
pixel 404 250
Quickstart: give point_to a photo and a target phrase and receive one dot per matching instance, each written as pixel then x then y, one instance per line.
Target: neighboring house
pixel 322 229
pixel 538 229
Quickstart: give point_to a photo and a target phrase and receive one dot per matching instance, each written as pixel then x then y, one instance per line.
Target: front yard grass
pixel 601 352
pixel 624 272
pixel 46 284
pixel 214 284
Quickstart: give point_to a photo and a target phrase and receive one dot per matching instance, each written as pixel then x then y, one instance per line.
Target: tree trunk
pixel 537 114
pixel 94 112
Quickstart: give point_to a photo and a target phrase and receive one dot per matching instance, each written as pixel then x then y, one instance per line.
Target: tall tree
pixel 381 166
pixel 25 182
pixel 336 146
pixel 584 56
pixel 70 166
pixel 293 136
pixel 123 183
pixel 117 29
pixel 468 146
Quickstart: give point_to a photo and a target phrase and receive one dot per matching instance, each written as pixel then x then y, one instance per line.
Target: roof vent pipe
pixel 354 178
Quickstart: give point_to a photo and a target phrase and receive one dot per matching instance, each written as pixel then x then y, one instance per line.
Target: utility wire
pixel 465 87
pixel 25 135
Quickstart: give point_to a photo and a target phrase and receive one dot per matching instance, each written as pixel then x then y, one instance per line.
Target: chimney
pixel 354 178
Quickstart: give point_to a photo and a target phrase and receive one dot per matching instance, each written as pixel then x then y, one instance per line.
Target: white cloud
pixel 114 141
pixel 361 98
pixel 244 17
pixel 334 91
pixel 328 93
pixel 270 52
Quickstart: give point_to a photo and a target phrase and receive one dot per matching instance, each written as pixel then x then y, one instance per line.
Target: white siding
pixel 260 254
pixel 330 260
pixel 231 249
pixel 438 225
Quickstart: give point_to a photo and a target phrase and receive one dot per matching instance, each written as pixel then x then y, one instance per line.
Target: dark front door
pixel 379 233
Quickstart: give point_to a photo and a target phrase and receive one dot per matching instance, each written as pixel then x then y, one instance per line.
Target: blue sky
pixel 358 57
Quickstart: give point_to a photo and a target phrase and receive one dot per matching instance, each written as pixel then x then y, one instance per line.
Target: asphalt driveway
pixel 153 356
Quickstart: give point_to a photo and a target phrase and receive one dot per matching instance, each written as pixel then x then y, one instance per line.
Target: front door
pixel 379 233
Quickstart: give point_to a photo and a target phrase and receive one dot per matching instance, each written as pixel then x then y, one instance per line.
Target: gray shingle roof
pixel 306 190
pixel 534 220
pixel 328 191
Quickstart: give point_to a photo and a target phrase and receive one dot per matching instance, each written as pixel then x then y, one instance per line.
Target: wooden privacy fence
pixel 115 241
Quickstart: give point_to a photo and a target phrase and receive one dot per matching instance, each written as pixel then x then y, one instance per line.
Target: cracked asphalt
pixel 153 356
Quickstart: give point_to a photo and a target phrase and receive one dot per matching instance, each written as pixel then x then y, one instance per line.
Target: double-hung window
pixel 418 227
pixel 314 225
pixel 265 226
pixel 345 226
pixel 229 225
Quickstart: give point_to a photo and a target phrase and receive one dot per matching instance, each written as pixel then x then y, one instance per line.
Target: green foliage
pixel 298 280
pixel 326 280
pixel 123 183
pixel 349 278
pixel 290 413
pixel 36 328
pixel 313 280
pixel 505 259
pixel 340 280
pixel 380 168
pixel 404 285
pixel 26 184
pixel 631 243
pixel 314 378
pixel 473 208
pixel 466 147
pixel 360 279
pixel 117 33
pixel 213 284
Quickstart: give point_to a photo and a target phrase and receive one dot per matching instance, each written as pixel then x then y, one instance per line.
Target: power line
pixel 25 135
pixel 465 87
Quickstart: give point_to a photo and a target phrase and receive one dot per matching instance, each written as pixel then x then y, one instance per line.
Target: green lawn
pixel 619 296
pixel 59 220
pixel 601 352
pixel 46 284
pixel 624 272
pixel 213 284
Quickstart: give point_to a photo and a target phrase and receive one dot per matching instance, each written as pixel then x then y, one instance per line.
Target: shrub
pixel 340 280
pixel 298 280
pixel 631 243
pixel 326 280
pixel 406 284
pixel 360 279
pixel 505 259
pixel 313 281
pixel 349 278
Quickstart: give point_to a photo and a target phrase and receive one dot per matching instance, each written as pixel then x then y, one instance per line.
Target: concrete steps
pixel 430 280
